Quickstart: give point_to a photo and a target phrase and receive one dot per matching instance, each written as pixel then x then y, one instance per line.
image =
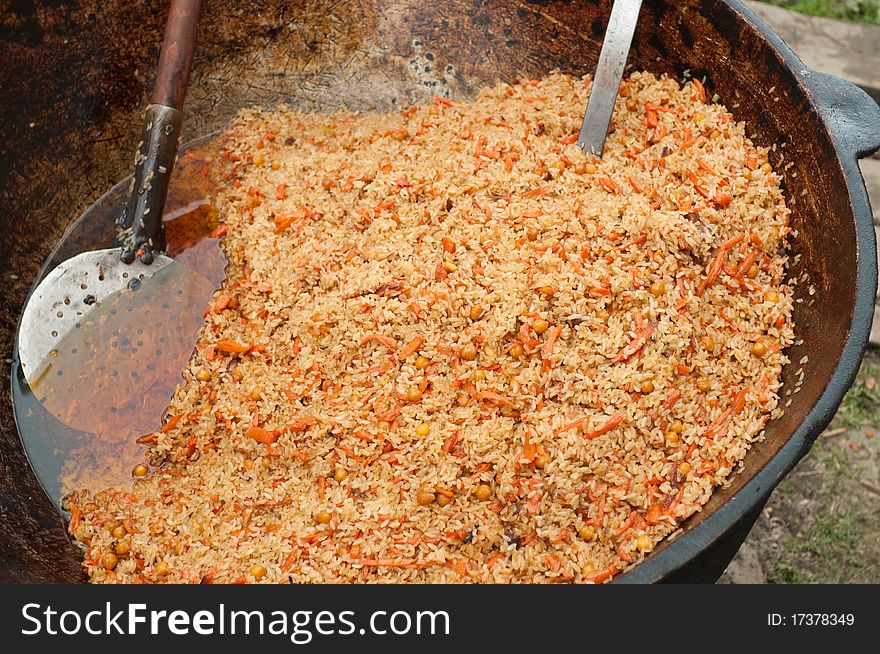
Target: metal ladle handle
pixel 609 72
pixel 141 220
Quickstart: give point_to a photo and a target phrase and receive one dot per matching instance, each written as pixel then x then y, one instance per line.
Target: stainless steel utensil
pixel 609 72
pixel 65 298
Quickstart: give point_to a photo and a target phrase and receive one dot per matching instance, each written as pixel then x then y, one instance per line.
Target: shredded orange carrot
pixel 301 424
pixel 541 190
pixel 701 90
pixel 644 330
pixel 416 309
pixel 261 435
pixel 716 428
pixel 494 559
pixel 697 185
pixel 547 290
pixel 494 397
pixel 221 302
pixel 410 348
pixel 661 133
pixel 672 399
pixel 347 452
pixel 525 337
pixel 745 264
pixel 449 443
pixel 739 401
pixel 609 185
pixel 220 231
pixel 75 517
pixel 722 199
pixel 717 264
pixel 655 513
pixel 612 423
pixel 602 576
pixel 168 426
pixel 387 341
pixel 577 424
pixel 687 140
pixel 549 340
pixel 705 166
pixel 231 347
pixel 289 562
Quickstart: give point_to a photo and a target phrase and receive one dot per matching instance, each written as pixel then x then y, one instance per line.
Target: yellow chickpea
pixel 425 496
pixel 644 542
pixel 140 470
pixel 540 325
pixel 468 352
pixel 483 492
pixel 657 289
pixel 587 532
pixel 109 560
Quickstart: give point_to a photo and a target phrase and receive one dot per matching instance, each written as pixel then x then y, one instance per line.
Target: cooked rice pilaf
pixel 453 348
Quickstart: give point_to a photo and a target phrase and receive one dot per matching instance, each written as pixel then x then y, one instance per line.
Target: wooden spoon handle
pixel 175 59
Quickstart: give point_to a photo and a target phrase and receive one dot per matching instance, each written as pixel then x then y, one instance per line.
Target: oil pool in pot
pixel 83 422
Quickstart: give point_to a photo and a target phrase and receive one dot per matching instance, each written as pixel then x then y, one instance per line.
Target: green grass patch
pixel 861 11
pixel 861 405
pixel 837 547
pixel 785 573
